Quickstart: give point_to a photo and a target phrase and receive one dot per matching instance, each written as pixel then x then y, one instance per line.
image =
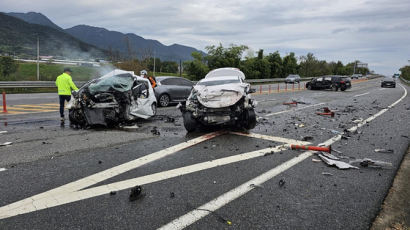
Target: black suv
pixel 330 82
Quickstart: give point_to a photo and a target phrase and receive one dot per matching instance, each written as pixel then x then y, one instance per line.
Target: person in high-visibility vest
pixel 144 74
pixel 65 84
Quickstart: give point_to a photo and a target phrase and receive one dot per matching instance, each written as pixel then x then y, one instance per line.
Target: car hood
pixel 220 96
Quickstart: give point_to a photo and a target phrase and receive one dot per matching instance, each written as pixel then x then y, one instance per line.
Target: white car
pixel 117 97
pixel 221 98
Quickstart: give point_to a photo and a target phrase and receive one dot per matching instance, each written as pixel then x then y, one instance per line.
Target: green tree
pixel 196 69
pixel 405 72
pixel 290 65
pixel 276 64
pixel 219 57
pixel 257 67
pixel 169 67
pixel 7 66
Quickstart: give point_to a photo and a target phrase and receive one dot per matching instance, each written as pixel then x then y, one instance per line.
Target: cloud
pixel 375 31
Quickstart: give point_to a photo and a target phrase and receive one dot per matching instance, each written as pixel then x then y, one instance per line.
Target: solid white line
pixel 358 95
pixel 272 138
pixel 213 205
pixel 287 111
pixel 24 205
pixel 2 169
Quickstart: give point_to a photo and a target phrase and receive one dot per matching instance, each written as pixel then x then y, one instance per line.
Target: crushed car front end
pixel 117 97
pixel 224 100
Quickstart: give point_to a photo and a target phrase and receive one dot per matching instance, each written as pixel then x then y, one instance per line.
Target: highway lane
pixel 307 199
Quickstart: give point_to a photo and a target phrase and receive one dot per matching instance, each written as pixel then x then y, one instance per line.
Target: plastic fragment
pixel 6 143
pixel 367 162
pixel 336 163
pixel 384 150
pixel 327 174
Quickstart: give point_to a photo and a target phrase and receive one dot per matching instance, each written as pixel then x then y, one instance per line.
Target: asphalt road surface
pixel 55 177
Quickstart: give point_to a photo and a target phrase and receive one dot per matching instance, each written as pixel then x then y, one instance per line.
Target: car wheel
pixel 249 119
pixel 154 108
pixel 190 123
pixel 164 100
pixel 334 88
pixel 309 87
pixel 343 88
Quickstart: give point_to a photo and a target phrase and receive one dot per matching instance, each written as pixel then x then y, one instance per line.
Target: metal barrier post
pixel 269 87
pixel 4 103
pixel 260 89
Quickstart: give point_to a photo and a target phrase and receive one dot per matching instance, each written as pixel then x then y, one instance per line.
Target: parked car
pixel 221 98
pixel 292 78
pixel 172 89
pixel 117 97
pixel 330 82
pixel 388 82
pixel 396 75
pixel 357 76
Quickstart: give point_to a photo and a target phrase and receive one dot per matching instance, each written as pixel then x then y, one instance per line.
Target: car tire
pixel 343 89
pixel 309 87
pixel 154 108
pixel 164 100
pixel 334 88
pixel 249 119
pixel 190 123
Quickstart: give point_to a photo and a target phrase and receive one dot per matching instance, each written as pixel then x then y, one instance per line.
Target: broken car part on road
pixel 117 97
pixel 221 98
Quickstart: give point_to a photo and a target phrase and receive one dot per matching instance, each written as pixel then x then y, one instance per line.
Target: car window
pixel 169 81
pixel 183 82
pixel 328 78
pixel 319 79
pixel 218 82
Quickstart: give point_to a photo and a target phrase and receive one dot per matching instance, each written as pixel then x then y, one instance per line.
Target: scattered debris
pixel 2 169
pixel 113 193
pixel 357 121
pixel 170 120
pixel 281 182
pixel 327 174
pixel 172 195
pixel 99 162
pixel 326 112
pixel 155 131
pixel 307 138
pixel 130 127
pixel 136 193
pixel 268 154
pixel 301 125
pixel 404 136
pixel 316 160
pixel 6 143
pixel 335 131
pixel 366 162
pixel 255 186
pixel 2 132
pixel 338 164
pixel 337 151
pixel 384 150
pixel 330 156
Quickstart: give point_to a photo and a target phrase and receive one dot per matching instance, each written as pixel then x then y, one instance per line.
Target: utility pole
pixel 154 65
pixel 38 59
pixel 180 68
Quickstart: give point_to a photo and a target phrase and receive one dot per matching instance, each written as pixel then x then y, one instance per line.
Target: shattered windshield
pixel 218 82
pixel 121 83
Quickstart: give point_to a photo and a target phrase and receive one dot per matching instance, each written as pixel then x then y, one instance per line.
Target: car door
pixel 319 83
pixel 186 86
pixel 327 83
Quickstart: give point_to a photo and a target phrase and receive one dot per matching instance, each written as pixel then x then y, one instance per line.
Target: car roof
pixel 160 78
pixel 224 72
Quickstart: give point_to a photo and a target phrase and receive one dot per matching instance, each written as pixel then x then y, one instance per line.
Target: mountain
pixel 130 44
pixel 35 18
pixel 19 37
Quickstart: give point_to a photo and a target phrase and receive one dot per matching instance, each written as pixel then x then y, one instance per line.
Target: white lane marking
pixel 2 169
pixel 213 205
pixel 25 205
pixel 267 100
pixel 358 95
pixel 60 199
pixel 272 138
pixel 292 110
pixel 382 89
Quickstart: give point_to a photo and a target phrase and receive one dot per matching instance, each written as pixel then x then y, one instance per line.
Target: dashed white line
pixel 213 205
pixel 292 110
pixel 359 95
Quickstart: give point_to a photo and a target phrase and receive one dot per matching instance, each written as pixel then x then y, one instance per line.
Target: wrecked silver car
pixel 116 98
pixel 221 98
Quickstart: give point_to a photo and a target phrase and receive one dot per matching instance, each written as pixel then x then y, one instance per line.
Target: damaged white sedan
pixel 116 98
pixel 221 98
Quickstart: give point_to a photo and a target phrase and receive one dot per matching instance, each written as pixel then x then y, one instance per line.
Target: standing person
pixel 65 84
pixel 144 74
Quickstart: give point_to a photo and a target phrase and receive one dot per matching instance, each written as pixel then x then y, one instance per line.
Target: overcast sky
pixel 374 31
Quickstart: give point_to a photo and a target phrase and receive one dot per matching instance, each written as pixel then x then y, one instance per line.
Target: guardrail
pixel 51 84
pixel 404 80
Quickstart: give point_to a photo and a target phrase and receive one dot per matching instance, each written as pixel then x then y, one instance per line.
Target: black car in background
pixel 330 82
pixel 172 89
pixel 388 82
